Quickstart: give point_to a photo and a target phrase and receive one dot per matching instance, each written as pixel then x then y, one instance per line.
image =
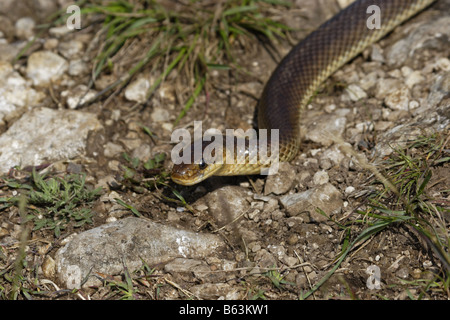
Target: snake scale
pixel 301 72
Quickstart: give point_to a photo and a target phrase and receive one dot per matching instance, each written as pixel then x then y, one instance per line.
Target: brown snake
pixel 300 73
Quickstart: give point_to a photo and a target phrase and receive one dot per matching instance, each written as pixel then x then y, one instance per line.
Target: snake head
pixel 192 171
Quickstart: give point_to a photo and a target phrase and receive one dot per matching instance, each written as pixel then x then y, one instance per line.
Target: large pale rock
pixel 16 95
pixel 44 135
pixel 418 38
pixel 227 203
pixel 109 248
pixel 323 128
pixel 45 67
pixel 282 181
pixel 325 197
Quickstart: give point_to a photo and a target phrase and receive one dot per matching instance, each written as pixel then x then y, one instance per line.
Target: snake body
pixel 301 72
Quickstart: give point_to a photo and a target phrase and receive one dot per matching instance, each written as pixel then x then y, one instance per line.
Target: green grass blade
pixel 188 105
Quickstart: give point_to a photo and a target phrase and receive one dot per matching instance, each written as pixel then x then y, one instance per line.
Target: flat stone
pixel 355 92
pixel 320 177
pixel 226 203
pixel 129 241
pixel 25 28
pixel 71 49
pixel 137 90
pixel 16 94
pixel 8 51
pixel 421 37
pixel 387 86
pixel 324 128
pixel 45 66
pixel 282 181
pixel 181 265
pixel 44 135
pixel 398 99
pixel 78 95
pixel 325 197
pixel 211 291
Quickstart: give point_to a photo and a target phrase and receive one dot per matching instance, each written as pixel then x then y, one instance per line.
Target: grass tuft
pixel 54 202
pixel 407 196
pixel 190 38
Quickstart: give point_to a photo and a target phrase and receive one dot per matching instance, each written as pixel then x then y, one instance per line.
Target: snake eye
pixel 202 165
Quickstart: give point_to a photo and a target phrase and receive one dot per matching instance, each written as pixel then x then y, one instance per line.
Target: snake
pixel 300 73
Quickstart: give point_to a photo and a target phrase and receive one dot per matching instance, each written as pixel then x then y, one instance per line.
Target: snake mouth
pixel 190 174
pixel 186 174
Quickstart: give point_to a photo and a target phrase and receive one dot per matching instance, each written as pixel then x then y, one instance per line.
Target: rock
pixel 160 115
pixel 349 190
pixel 443 64
pixel 439 89
pixel 355 92
pixel 396 74
pixel 44 135
pixel 321 177
pixel 282 181
pixel 59 32
pixel 425 122
pixel 15 94
pixel 181 265
pixel 71 49
pixel 383 125
pixel 8 51
pixel 226 203
pixel 45 66
pixel 137 90
pixel 334 154
pixel 25 28
pixel 414 78
pixel 6 27
pixel 419 38
pixel 387 86
pixel 402 273
pixel 399 99
pixel 364 127
pixel 290 261
pixel 344 3
pixel 325 163
pixel 78 67
pixel 369 80
pixel 49 267
pixel 377 53
pixel 277 215
pixel 78 95
pixel 130 241
pixel 142 152
pixel 209 291
pixel 313 14
pixel 166 92
pixel 277 250
pixel 112 149
pixel 51 44
pixel 330 108
pixel 325 197
pixel 322 129
pixel 40 10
